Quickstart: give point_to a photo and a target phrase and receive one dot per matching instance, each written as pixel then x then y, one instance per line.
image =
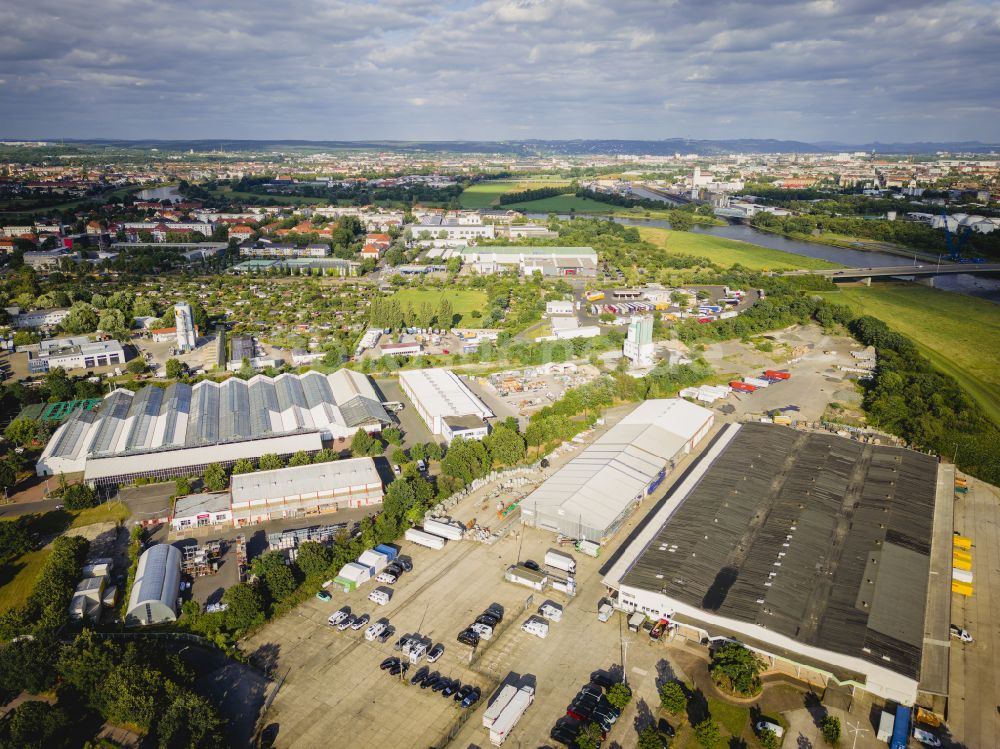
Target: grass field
pixel 564 204
pixel 463 301
pixel 109 512
pixel 727 252
pixel 18 578
pixel 959 334
pixel 484 194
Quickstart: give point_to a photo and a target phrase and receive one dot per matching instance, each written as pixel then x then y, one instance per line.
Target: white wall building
pixel 201 510
pixel 36 318
pixel 559 307
pixel 301 491
pixel 77 352
pixel 445 403
pixel 184 322
pixel 638 346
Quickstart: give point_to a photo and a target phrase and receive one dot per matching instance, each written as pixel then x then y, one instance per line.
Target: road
pixel 924 269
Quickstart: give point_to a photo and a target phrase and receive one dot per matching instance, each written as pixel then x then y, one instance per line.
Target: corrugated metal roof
pixel 809 535
pixel 357 473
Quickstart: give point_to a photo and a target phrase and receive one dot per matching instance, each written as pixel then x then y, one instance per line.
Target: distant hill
pixel 665 147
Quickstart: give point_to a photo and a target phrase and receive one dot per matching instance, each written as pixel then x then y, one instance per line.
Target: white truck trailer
pixel 560 560
pixel 450 531
pixel 503 699
pixel 424 539
pixel 510 715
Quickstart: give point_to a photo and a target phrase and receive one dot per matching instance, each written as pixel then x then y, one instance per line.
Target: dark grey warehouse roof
pixel 816 537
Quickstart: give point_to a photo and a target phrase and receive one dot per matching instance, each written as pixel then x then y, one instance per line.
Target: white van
pixel 417 652
pixel 381 597
pixel 766 725
pixel 374 631
pixel 536 627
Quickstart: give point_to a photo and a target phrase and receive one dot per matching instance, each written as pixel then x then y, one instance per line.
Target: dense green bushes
pixel 539 193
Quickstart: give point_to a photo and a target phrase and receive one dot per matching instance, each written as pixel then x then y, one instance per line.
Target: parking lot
pixel 974 698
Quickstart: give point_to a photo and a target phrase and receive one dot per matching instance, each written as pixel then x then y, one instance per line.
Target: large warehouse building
pixel 814 550
pixel 304 490
pixel 157 584
pixel 445 403
pixel 592 495
pixel 161 433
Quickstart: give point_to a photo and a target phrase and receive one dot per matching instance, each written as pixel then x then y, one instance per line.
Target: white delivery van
pixel 536 627
pixel 766 725
pixel 381 597
pixel 550 611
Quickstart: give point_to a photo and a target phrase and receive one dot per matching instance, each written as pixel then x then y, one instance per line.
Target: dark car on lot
pixel 591 689
pixel 488 619
pixel 420 675
pixel 565 731
pixel 471 698
pixel 468 637
pixel 453 687
pixel 430 680
pixel 495 609
pixel 603 679
pixel 531 565
pixel 386 634
pixel 462 693
pixel 443 682
pixel 389 663
pixel 399 668
pixel 401 642
pixel 405 564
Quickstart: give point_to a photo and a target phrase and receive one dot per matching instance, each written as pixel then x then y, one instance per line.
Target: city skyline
pixel 807 71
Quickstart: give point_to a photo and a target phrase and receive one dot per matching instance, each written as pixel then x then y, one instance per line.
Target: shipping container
pixel 560 560
pixel 744 387
pixel 510 715
pixel 775 374
pixel 496 707
pixel 962 542
pixel 589 548
pixel 390 551
pixel 901 728
pixel 756 381
pixel 885 725
pixel 444 529
pixel 424 539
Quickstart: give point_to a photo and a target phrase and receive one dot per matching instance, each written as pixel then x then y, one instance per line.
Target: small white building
pixel 36 318
pixel 200 510
pixel 559 307
pixel 77 352
pixel 402 349
pixel 445 403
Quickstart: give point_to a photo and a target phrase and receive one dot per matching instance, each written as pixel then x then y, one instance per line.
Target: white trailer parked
pixel 441 528
pixel 424 539
pixel 496 707
pixel 560 560
pixel 510 715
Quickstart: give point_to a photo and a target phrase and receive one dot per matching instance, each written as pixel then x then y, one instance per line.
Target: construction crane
pixel 954 243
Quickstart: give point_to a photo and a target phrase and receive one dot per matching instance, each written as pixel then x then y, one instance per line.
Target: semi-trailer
pixel 424 539
pixel 496 707
pixel 510 715
pixel 759 382
pixel 743 387
pixel 774 374
pixel 446 530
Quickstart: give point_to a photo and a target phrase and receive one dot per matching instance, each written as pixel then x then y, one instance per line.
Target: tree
pixel 398 455
pixel 399 498
pixel 215 478
pixel 243 465
pixel 326 456
pixel 506 446
pixel 301 458
pixel 270 462
pixel 619 695
pixel 182 486
pixel 137 366
pixel 37 725
pixel 392 435
pixel 313 558
pixel 768 739
pixel 445 313
pixel 650 738
pixel 189 721
pixel 131 693
pixel 82 318
pixel 672 698
pixel 245 607
pixel 8 476
pixel 433 451
pixel 277 577
pixel 737 669
pixel 113 322
pixel 22 431
pixel 362 444
pixel 418 452
pixel 831 729
pixel 707 733
pixel 590 737
pixel 27 665
pixel 175 368
pixel 79 497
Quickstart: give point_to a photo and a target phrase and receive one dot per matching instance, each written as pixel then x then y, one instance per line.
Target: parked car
pixel 346 622
pixel 960 633
pixel 401 642
pixel 436 652
pixel 472 698
pixel 399 668
pixel 926 737
pixel 388 663
pixel 468 637
pixel 440 684
pixel 495 609
pixel 374 630
pixel 531 565
pixel 484 631
pixel 453 687
pixel 462 693
pixel 360 621
pixel 768 725
pixel 405 563
pixel 489 620
pixel 421 674
pixel 323 595
pixel 430 680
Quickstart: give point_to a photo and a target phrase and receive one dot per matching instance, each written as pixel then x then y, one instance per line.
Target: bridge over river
pixel 926 270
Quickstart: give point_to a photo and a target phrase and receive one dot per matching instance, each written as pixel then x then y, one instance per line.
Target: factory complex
pixel 161 433
pixel 447 405
pixel 812 549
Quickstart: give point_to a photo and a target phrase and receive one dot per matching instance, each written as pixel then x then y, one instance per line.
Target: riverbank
pixel 853 243
pixel 727 252
pixel 959 334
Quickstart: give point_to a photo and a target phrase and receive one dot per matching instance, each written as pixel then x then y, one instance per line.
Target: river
pixel 168 192
pixel 985 287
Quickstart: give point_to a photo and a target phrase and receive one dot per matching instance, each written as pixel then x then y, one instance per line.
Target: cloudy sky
pixel 847 70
